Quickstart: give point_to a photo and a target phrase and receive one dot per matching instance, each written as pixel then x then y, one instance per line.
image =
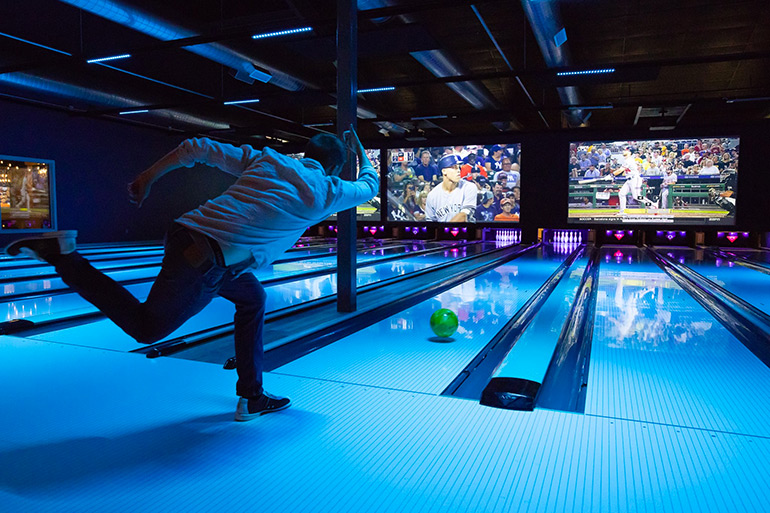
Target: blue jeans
pixel 191 275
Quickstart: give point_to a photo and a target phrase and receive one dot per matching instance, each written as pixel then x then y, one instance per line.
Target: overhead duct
pixel 28 81
pixel 440 63
pixel 443 65
pixel 135 19
pixel 545 21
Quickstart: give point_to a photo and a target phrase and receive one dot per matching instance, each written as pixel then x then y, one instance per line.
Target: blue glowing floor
pixel 675 417
pixel 92 430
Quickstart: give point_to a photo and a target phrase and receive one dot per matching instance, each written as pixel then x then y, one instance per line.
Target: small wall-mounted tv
pixel 26 194
pixel 661 181
pixel 454 184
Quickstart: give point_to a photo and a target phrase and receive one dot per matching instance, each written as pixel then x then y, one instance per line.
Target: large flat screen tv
pixel 26 194
pixel 369 211
pixel 454 184
pixel 658 181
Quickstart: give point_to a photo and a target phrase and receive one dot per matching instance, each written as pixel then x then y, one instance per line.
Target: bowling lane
pixel 47 302
pixel 402 353
pixel 88 250
pixel 759 256
pixel 104 334
pixel 658 356
pixel 751 285
pixel 31 276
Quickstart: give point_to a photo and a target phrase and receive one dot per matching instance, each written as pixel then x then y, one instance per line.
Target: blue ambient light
pixel 560 38
pixel 585 72
pixel 236 102
pixel 376 89
pixel 282 33
pixel 34 44
pixel 111 58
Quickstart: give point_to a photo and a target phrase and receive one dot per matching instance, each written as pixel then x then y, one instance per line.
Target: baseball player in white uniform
pixel 454 200
pixel 633 183
pixel 669 179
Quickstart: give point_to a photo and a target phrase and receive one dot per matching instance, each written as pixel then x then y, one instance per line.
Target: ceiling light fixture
pixel 236 102
pixel 585 72
pixel 376 89
pixel 133 112
pixel 741 100
pixel 111 58
pixel 282 33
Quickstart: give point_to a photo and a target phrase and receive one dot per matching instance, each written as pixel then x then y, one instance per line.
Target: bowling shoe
pixel 252 407
pixel 44 246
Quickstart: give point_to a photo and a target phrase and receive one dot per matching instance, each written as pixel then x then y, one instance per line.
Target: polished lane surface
pixel 49 296
pixel 30 276
pixel 402 353
pixel 658 356
pixel 104 334
pixel 751 285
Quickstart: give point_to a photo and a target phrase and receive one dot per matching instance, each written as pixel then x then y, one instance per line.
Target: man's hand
pixel 139 189
pixel 354 143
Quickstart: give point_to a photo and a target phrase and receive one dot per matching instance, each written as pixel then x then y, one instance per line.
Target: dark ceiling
pixel 458 67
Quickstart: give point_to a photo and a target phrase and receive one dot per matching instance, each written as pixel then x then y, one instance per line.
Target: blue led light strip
pixel 236 102
pixel 586 72
pixel 35 44
pixel 112 58
pixel 133 112
pixel 282 33
pixel 376 89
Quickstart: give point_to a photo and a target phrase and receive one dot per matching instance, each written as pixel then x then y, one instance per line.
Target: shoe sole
pixel 65 234
pixel 244 417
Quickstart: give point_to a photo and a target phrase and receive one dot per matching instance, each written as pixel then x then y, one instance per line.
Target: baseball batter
pixel 633 183
pixel 454 200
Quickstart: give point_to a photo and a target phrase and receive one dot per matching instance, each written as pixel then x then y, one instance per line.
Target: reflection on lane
pixel 751 285
pixel 24 308
pixel 658 356
pixel 105 334
pixel 640 307
pixel 401 351
pixel 761 256
pixel 279 296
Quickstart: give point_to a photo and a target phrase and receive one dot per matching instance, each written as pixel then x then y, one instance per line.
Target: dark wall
pixel 95 160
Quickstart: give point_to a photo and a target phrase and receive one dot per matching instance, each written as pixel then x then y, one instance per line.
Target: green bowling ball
pixel 443 322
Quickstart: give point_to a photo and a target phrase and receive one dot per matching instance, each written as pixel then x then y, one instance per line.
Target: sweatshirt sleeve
pixel 230 159
pixel 344 194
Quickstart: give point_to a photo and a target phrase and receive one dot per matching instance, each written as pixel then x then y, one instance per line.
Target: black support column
pixel 347 85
